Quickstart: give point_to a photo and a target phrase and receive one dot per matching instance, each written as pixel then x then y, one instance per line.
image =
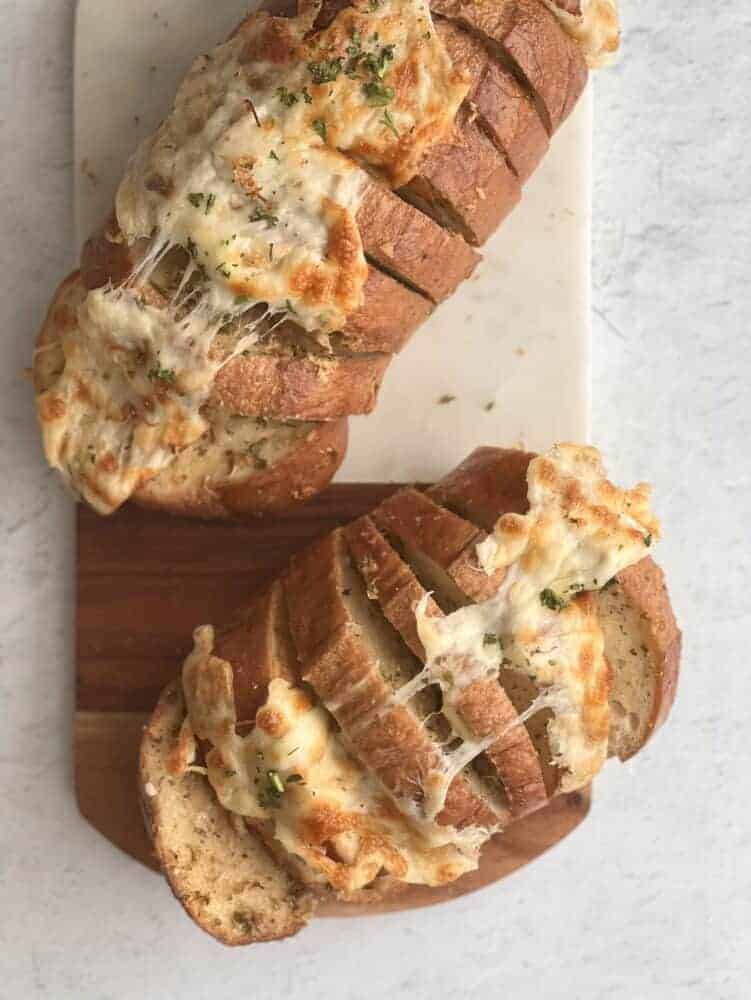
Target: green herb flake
pixel 549 599
pixel 378 64
pixel 196 199
pixel 319 126
pixel 263 215
pixel 388 121
pixel 378 94
pixel 287 98
pixel 291 308
pixel 272 789
pixel 306 95
pixel 648 540
pixel 224 270
pixel 325 70
pixel 210 202
pixel 165 375
pixel 490 639
pixel 273 156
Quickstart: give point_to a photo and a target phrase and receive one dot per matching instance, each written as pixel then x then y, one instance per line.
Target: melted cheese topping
pixel 580 531
pixel 594 24
pixel 328 810
pixel 256 175
pixel 256 169
pixel 292 773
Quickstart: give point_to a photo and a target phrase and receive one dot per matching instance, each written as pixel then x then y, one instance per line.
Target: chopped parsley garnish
pixel 271 251
pixel 377 64
pixel 263 215
pixel 549 599
pixel 196 199
pixel 191 247
pixel 611 583
pixel 272 790
pixel 291 308
pixel 325 70
pixel 274 786
pixel 648 539
pixel 224 270
pixel 165 375
pixel 374 5
pixel 319 126
pixel 287 98
pixel 378 94
pixel 306 95
pixel 210 200
pixel 388 121
pixel 273 156
pixel 490 639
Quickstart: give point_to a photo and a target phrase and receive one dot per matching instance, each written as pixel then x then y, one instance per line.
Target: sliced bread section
pixel 218 869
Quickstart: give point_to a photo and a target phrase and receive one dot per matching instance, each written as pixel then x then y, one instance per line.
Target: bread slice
pixel 246 467
pixel 643 645
pixel 483 706
pixel 217 868
pixel 505 108
pixel 527 37
pixel 439 543
pixel 642 638
pixel 242 466
pixel 464 183
pixel 388 318
pixel 289 377
pixel 410 245
pixel 355 661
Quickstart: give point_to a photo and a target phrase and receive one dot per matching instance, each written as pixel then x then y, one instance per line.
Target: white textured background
pixel 651 899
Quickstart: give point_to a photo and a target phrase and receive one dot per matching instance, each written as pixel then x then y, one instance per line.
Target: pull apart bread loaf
pixel 321 184
pixel 412 685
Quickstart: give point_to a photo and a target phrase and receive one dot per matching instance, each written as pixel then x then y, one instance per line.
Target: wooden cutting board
pixel 144 582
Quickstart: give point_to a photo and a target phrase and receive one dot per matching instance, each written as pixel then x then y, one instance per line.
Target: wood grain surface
pixel 144 582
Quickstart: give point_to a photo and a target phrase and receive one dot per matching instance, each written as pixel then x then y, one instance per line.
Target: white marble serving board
pixel 517 335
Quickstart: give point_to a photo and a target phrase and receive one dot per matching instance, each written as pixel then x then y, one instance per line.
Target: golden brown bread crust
pixel 307 387
pixel 529 36
pixel 644 587
pixel 465 183
pixel 388 317
pixel 412 246
pixel 446 539
pixel 504 105
pixel 491 482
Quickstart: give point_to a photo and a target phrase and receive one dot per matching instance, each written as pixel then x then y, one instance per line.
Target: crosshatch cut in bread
pixel 323 183
pixel 415 685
